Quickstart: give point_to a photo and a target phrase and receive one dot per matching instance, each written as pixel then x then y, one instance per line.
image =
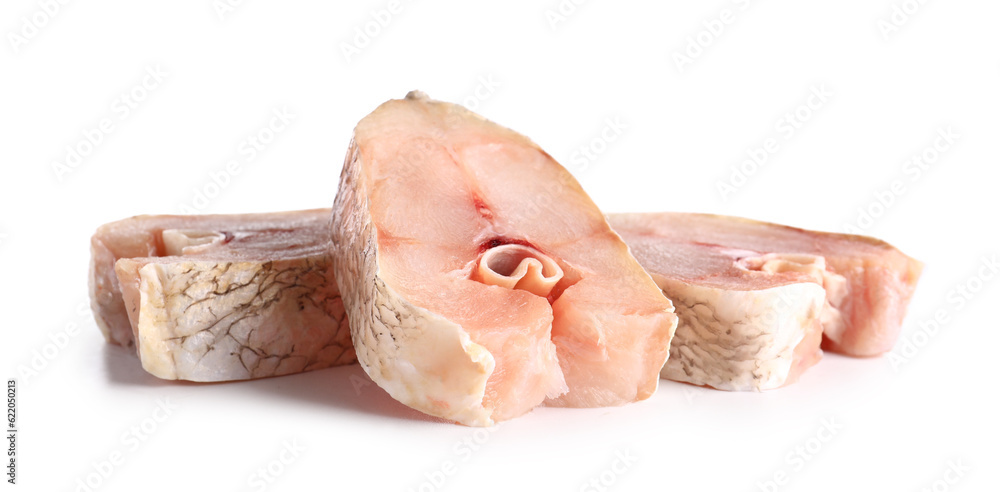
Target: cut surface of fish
pixel 752 334
pixel 479 279
pixel 221 297
pixel 867 282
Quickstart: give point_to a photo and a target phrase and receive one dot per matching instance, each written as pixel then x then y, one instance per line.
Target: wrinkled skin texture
pixel 868 283
pixel 427 188
pixel 743 340
pixel 221 297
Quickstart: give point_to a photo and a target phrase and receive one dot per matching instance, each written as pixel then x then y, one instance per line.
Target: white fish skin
pixel 743 340
pixel 221 297
pixel 427 189
pixel 421 359
pixel 868 283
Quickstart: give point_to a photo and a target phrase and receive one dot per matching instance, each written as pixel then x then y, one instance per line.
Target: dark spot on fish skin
pixel 500 241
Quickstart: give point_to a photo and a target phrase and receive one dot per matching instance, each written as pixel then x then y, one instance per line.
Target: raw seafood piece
pixel 479 279
pixel 741 328
pixel 221 297
pixel 868 283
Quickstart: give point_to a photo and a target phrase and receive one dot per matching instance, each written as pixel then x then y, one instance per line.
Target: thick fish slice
pixel 479 278
pixel 221 297
pixel 740 328
pixel 868 283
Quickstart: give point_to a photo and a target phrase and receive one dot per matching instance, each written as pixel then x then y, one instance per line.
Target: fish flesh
pixel 746 291
pixel 479 278
pixel 741 328
pixel 749 319
pixel 221 297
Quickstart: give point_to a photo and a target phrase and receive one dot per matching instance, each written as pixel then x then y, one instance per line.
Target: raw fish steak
pixel 221 297
pixel 480 280
pixel 716 267
pixel 740 328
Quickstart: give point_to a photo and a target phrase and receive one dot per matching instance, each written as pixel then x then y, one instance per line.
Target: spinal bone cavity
pixel 515 266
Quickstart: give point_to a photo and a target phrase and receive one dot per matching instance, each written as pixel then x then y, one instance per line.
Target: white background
pixel 898 426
